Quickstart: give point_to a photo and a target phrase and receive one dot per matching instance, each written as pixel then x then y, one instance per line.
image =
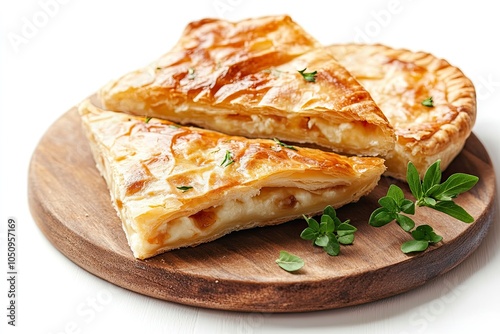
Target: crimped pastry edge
pixel 445 143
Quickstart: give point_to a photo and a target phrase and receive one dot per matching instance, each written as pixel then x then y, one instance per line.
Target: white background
pixel 77 46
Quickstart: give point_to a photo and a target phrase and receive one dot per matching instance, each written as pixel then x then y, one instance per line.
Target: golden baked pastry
pixel 175 186
pixel 244 79
pixel 400 81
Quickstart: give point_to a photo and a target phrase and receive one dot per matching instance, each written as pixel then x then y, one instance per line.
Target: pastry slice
pixel 402 83
pixel 175 186
pixel 245 79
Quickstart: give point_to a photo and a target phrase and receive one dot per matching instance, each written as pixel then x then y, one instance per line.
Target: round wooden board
pixel 70 203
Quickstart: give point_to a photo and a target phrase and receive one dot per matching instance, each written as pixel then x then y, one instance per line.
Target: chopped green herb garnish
pixel 147 119
pixel 309 77
pixel 228 159
pixel 284 145
pixel 184 188
pixel 428 102
pixel 289 262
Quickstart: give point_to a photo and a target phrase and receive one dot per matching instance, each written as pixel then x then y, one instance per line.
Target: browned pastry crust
pixel 175 186
pixel 399 80
pixel 242 79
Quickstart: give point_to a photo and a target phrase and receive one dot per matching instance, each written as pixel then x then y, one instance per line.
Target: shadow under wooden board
pixel 70 203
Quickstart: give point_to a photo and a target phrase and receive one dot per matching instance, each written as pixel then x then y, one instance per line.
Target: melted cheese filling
pixel 271 204
pixel 350 138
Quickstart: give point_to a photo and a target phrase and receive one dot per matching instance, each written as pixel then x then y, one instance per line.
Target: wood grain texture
pixel 70 203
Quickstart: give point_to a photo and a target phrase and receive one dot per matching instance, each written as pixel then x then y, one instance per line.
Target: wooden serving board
pixel 70 203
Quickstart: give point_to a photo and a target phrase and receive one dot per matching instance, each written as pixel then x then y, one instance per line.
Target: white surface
pixel 83 44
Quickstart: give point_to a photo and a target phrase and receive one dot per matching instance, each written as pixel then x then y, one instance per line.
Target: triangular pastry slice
pixel 175 186
pixel 243 79
pixel 400 81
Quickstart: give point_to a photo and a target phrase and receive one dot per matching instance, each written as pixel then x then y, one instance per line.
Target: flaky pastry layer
pixel 175 186
pixel 243 79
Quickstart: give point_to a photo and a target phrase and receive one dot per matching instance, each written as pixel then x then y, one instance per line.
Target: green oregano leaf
pixel 309 234
pixel 389 203
pixel 289 262
pixel 322 240
pixel 333 247
pixel 413 179
pixel 432 176
pixel 454 210
pixel 381 217
pixel 455 185
pixel 405 222
pixel 407 206
pixel 414 246
pixel 396 193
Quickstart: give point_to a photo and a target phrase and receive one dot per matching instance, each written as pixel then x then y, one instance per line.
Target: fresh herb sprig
pixel 432 193
pixel 429 192
pixel 423 236
pixel 391 207
pixel 330 233
pixel 308 76
pixel 289 262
